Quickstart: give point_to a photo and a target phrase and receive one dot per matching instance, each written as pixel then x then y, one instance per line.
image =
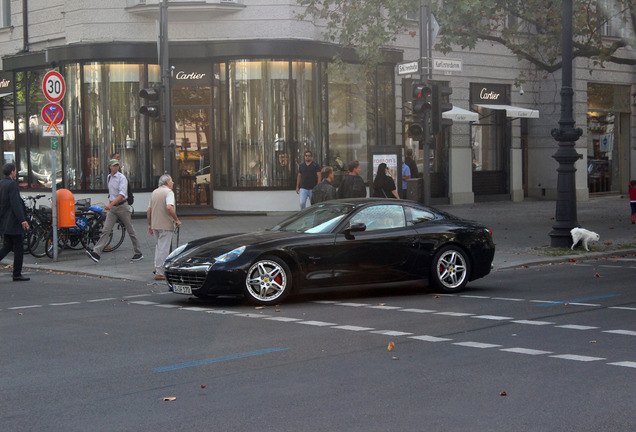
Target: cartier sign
pixel 489 93
pixel 192 75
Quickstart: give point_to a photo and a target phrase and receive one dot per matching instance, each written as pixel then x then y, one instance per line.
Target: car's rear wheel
pixel 268 280
pixel 450 269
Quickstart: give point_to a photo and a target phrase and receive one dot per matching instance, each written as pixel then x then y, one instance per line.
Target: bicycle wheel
pixel 48 246
pixel 117 237
pixel 37 242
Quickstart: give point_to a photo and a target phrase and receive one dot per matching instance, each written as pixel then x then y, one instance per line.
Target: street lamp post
pixel 566 135
pixel 164 64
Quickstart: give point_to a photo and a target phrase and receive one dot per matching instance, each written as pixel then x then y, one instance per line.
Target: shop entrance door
pixel 192 153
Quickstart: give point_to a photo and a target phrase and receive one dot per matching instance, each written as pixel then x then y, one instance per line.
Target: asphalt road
pixel 548 347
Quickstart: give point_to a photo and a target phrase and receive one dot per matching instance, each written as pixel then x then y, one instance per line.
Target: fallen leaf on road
pixel 394 358
pixel 169 399
pixel 592 341
pixel 503 394
pixel 391 346
pixel 203 386
pixel 597 275
pixel 259 307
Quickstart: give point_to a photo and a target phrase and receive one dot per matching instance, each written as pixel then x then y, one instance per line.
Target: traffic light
pixel 440 106
pixel 151 107
pixel 419 129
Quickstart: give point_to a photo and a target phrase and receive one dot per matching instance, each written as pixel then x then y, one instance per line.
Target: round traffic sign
pixel 52 113
pixel 53 86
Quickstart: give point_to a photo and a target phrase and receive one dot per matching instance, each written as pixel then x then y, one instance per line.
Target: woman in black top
pixel 383 185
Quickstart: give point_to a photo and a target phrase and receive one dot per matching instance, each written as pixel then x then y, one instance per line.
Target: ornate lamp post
pixel 566 135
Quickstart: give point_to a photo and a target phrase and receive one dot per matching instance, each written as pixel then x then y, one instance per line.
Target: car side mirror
pixel 355 227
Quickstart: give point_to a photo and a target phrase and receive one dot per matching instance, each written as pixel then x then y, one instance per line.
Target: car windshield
pixel 319 218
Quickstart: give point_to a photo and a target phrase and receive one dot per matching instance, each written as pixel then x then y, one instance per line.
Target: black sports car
pixel 349 242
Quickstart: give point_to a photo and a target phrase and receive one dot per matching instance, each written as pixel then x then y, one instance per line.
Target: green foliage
pixel 531 29
pixel 364 25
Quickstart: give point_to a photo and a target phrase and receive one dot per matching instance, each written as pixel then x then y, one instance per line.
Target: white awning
pixel 461 115
pixel 5 94
pixel 513 111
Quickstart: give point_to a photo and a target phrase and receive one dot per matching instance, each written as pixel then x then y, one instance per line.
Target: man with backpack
pixel 117 209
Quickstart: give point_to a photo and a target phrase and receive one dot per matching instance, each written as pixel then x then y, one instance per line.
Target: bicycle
pixel 40 225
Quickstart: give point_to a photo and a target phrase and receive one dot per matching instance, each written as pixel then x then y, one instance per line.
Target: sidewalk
pixel 520 231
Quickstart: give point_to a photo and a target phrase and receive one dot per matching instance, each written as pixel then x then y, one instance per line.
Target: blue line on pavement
pixel 578 300
pixel 217 359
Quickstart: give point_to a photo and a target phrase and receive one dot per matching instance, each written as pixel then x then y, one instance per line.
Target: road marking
pixel 24 307
pixel 576 327
pixel 195 309
pixel 509 299
pixel 63 304
pixel 426 338
pixel 585 304
pixel 168 306
pixel 101 300
pixel 492 317
pixel 217 359
pixel 621 332
pixel 622 308
pixel 253 315
pixel 220 312
pixel 454 314
pixel 391 333
pixel 144 303
pixel 525 351
pixel 353 304
pixel 283 319
pixel 353 328
pixel 418 310
pixel 385 307
pixel 562 302
pixel 317 323
pixel 476 344
pixel 137 296
pixel 532 322
pixel 475 296
pixel 624 363
pixel 577 357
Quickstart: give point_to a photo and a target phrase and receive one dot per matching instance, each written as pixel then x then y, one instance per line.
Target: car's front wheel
pixel 450 269
pixel 268 280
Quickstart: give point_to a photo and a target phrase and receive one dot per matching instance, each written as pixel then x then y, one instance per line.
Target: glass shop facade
pixel 243 114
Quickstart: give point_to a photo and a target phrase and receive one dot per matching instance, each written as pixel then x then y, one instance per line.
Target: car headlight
pixel 230 256
pixel 177 251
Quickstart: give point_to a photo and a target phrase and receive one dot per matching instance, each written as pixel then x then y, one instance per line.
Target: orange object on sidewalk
pixel 65 208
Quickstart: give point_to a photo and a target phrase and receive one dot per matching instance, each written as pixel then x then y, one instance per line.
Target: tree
pixel 531 29
pixel 364 25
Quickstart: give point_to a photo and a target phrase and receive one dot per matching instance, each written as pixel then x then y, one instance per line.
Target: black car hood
pixel 206 252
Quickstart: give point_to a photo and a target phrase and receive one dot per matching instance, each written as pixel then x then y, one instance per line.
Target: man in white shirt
pixel 162 217
pixel 117 209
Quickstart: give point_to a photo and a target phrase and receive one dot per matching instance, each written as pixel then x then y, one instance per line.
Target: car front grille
pixel 193 279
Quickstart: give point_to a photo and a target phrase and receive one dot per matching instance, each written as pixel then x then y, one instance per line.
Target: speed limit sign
pixel 53 86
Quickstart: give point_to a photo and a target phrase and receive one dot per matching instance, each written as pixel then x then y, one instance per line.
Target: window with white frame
pixel 5 13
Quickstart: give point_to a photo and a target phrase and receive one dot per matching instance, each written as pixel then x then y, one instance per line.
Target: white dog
pixel 583 235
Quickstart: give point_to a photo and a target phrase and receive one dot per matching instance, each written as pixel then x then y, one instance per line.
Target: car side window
pixel 416 216
pixel 381 217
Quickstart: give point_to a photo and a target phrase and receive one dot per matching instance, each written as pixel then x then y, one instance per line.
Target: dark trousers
pixel 14 243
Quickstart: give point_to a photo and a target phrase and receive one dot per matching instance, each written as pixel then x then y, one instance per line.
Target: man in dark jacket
pixel 352 185
pixel 13 221
pixel 324 191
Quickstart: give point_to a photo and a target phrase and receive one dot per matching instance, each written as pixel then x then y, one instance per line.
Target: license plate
pixel 182 289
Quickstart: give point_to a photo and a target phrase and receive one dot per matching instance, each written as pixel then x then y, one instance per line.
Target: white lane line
pixel 385 307
pixel 533 322
pixel 454 314
pixel 585 304
pixel 220 312
pixel 168 306
pixel 621 332
pixel 577 357
pixel 525 351
pixel 317 323
pixel 24 307
pixel 63 304
pixel 576 327
pixel 391 333
pixel 101 300
pixel 476 344
pixel 325 302
pixel 540 301
pixel 426 338
pixel 353 304
pixel 251 315
pixel 493 317
pixel 139 295
pixel 509 299
pixel 283 319
pixel 475 296
pixel 353 328
pixel 195 309
pixel 624 363
pixel 622 308
pixel 446 295
pixel 418 310
pixel 143 302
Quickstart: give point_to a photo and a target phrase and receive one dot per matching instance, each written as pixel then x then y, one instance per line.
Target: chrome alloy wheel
pixel 451 269
pixel 267 280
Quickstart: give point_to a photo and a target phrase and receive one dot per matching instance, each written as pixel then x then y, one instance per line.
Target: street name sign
pixel 447 65
pixel 408 68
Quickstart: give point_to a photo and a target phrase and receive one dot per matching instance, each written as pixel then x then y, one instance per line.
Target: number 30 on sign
pixel 53 86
